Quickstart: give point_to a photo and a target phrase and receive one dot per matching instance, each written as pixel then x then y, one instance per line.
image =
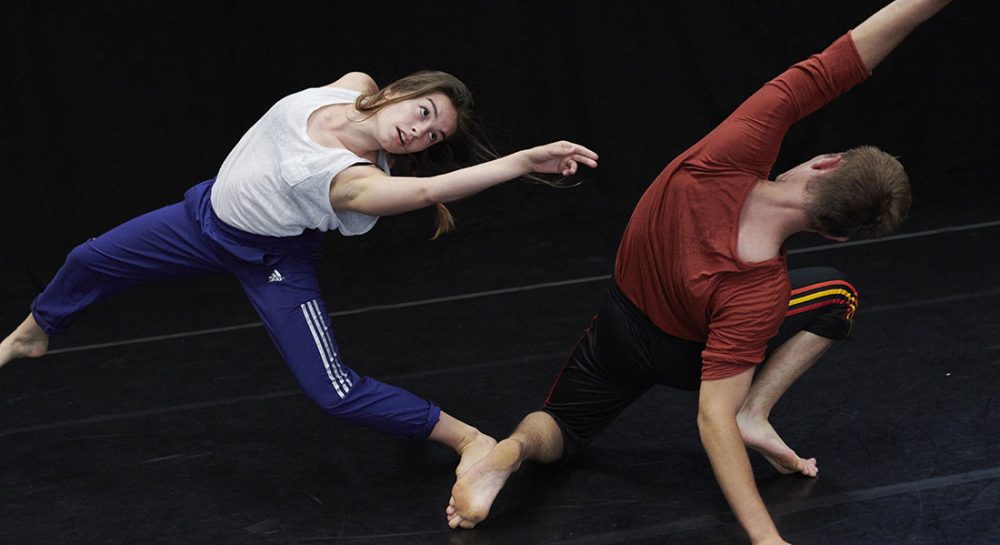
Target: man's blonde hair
pixel 867 196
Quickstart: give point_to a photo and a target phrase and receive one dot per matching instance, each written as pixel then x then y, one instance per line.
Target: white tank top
pixel 276 181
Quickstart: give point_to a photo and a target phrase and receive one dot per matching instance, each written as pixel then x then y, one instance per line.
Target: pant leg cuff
pixel 44 323
pixel 433 416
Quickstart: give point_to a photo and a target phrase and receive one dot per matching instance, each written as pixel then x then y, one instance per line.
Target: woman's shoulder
pixel 356 81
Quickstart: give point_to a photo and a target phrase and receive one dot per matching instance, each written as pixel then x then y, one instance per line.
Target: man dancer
pixel 701 291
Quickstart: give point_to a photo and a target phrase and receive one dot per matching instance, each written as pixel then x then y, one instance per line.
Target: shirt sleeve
pixel 749 139
pixel 749 309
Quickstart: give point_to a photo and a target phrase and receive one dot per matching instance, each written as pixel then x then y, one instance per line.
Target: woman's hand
pixel 559 158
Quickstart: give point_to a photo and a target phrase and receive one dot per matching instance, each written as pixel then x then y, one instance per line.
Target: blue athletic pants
pixel 277 274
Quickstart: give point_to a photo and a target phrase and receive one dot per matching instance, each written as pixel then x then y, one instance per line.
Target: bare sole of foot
pixel 476 450
pixel 476 489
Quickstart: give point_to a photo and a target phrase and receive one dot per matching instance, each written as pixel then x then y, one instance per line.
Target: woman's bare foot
pixel 470 443
pixel 473 449
pixel 27 341
pixel 759 435
pixel 474 492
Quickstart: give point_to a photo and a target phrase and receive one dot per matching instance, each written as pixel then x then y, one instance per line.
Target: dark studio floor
pixel 183 429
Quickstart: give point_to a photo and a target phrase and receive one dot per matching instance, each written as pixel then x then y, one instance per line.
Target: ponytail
pixel 443 220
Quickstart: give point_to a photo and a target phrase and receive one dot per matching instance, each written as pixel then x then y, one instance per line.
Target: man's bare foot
pixel 27 341
pixel 472 450
pixel 474 491
pixel 759 435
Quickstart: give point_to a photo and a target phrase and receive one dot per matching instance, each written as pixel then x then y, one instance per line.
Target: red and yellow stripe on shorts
pixel 822 294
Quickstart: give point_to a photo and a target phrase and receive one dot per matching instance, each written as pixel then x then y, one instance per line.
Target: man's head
pixel 861 193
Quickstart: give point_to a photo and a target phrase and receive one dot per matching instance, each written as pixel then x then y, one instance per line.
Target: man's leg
pixel 608 370
pixel 781 369
pixel 821 310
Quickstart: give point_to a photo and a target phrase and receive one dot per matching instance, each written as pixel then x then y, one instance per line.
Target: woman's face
pixel 416 124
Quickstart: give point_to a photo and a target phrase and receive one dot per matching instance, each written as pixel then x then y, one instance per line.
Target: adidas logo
pixel 275 277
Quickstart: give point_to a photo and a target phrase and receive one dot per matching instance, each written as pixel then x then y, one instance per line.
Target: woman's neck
pixel 342 126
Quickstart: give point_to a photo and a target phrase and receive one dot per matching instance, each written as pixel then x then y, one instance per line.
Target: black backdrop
pixel 112 108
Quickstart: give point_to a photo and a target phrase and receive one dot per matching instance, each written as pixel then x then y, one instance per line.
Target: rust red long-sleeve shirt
pixel 677 261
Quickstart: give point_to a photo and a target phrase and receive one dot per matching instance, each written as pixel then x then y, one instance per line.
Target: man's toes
pixel 809 467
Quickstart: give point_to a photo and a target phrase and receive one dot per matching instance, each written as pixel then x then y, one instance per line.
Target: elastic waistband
pixel 247 246
pixel 617 297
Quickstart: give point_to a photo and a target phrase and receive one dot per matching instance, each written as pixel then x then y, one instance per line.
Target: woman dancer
pixel 318 160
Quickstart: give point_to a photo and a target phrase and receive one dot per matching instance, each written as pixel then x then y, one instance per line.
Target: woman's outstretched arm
pixel 368 190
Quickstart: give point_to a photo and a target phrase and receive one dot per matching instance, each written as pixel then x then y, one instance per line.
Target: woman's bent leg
pixel 286 295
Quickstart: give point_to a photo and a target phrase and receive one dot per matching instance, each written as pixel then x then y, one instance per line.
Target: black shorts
pixel 622 354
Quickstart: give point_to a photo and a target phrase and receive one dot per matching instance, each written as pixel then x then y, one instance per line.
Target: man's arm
pixel 718 404
pixel 882 32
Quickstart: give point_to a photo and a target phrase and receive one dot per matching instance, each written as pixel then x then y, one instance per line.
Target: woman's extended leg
pixel 286 294
pixel 164 243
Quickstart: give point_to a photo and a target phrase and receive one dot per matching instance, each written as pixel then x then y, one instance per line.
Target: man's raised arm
pixel 882 32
